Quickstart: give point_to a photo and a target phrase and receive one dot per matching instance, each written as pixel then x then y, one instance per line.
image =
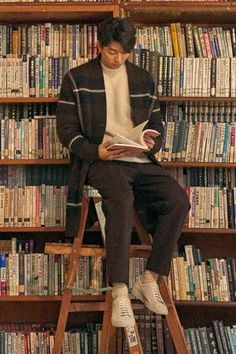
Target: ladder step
pixel 87 306
pixel 66 248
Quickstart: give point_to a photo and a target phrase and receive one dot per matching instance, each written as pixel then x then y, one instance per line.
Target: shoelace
pixel 157 293
pixel 124 307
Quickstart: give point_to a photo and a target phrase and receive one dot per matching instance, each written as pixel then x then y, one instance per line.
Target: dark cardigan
pixel 81 122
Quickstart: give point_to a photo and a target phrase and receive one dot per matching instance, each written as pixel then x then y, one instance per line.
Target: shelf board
pixel 34 162
pixel 92 299
pixel 197 164
pixel 163 12
pixel 182 303
pixel 196 99
pixel 32 229
pixel 163 163
pixel 60 229
pixel 186 230
pixel 56 12
pixel 28 100
pixel 46 298
pixel 161 99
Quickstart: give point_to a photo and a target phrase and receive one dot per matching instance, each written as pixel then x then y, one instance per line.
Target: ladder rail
pixel 66 298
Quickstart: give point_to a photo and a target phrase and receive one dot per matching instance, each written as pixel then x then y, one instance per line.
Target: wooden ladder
pixel 75 250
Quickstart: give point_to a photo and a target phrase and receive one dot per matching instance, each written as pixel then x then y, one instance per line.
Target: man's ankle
pixel 119 289
pixel 148 276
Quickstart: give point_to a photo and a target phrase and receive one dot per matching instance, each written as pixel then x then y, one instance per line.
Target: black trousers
pixel 160 200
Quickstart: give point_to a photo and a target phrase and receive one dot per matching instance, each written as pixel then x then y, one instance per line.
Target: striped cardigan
pixel 81 122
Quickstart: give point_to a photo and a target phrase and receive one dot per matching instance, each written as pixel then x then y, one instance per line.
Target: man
pixel 106 96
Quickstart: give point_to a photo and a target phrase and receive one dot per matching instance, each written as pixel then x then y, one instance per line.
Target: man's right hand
pixel 108 155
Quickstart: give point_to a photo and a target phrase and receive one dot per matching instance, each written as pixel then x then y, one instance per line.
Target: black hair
pixel 117 29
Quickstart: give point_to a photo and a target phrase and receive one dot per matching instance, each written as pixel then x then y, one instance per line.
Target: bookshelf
pixel 44 309
pixel 213 242
pixel 157 12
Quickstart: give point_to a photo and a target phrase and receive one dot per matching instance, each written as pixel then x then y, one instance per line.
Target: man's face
pixel 113 56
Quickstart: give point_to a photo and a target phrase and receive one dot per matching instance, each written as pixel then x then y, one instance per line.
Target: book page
pixel 134 140
pixel 119 139
pixel 136 132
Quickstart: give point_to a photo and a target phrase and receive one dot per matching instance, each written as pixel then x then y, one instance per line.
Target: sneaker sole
pixel 138 295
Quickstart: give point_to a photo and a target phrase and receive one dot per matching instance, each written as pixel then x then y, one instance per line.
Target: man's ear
pixel 99 47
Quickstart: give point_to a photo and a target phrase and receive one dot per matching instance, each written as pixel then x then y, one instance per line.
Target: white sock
pixel 118 289
pixel 148 276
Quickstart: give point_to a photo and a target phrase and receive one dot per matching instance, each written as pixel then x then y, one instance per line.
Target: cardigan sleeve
pixel 69 130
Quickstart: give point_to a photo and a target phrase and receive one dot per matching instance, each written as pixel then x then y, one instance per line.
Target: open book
pixel 134 141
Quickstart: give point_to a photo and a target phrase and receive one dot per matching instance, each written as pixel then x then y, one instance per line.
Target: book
pixel 218 336
pixel 134 141
pixel 212 340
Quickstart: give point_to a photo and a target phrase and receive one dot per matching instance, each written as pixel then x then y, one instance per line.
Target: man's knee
pixel 181 201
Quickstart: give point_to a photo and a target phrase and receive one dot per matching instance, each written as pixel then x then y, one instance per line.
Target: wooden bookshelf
pixel 204 12
pixel 196 99
pixel 212 242
pixel 32 229
pixel 5 100
pixel 185 230
pixel 34 162
pixel 45 309
pixel 163 163
pixel 56 12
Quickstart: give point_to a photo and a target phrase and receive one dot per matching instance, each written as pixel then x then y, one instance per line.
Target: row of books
pixel 31 339
pixel 30 139
pixel 15 244
pixel 76 40
pixel 212 280
pixel 154 334
pixel 189 77
pixel 212 207
pixel 188 40
pixel 44 206
pixel 83 338
pixel 200 142
pixel 33 206
pixel 33 175
pixel 204 176
pixel 20 111
pixel 193 278
pixel 216 338
pixel 49 40
pixel 222 112
pixel 28 273
pixel 41 274
pixel 32 76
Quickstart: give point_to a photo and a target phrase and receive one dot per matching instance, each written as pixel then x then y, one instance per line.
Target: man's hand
pixel 149 142
pixel 108 155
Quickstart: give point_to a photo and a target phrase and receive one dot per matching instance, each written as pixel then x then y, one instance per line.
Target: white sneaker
pixel 150 295
pixel 122 313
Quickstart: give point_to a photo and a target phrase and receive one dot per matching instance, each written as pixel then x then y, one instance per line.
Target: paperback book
pixel 134 141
